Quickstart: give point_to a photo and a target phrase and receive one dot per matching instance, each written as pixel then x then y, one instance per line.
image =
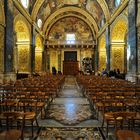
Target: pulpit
pixel 70 67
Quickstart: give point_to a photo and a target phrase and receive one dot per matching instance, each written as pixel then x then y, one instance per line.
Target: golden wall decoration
pixel 117 56
pixel 53 59
pixel 38 42
pixel 1 49
pixel 2 15
pixel 102 61
pixel 118 36
pixel 87 53
pixel 119 31
pixel 23 44
pixel 23 58
pixel 38 61
pixel 22 31
pixel 38 54
pixel 102 53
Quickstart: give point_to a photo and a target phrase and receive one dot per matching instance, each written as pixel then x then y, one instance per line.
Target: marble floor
pixel 69 116
pixel 70 108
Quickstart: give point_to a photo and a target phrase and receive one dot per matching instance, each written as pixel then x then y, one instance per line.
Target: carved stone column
pixel 32 50
pixel 132 47
pixel 9 71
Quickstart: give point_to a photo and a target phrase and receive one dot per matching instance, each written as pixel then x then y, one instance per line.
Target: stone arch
pixel 22 48
pixel 102 52
pixel 38 53
pixel 69 9
pixel 69 15
pixel 118 43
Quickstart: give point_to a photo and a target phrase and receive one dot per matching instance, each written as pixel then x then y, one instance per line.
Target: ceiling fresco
pixel 91 6
pixel 70 25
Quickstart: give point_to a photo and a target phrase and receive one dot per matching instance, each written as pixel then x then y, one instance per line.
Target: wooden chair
pixel 11 133
pixel 28 113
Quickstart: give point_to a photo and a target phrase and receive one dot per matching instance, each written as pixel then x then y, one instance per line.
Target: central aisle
pixel 70 116
pixel 70 108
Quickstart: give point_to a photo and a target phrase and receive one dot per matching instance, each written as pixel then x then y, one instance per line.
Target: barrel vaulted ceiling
pixel 95 12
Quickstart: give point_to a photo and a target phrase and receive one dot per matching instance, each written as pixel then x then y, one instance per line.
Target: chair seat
pixel 27 115
pixel 12 134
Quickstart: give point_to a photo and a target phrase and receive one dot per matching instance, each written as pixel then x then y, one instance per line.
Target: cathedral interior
pixel 70 69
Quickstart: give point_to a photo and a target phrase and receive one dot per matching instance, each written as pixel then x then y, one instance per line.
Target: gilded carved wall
pixel 102 53
pixel 23 58
pixel 117 56
pixel 23 45
pixel 119 31
pixel 38 61
pixel 118 36
pixel 2 16
pixel 38 54
pixel 53 59
pixel 1 48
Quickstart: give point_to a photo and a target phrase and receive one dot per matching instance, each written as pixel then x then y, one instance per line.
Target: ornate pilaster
pixel 132 46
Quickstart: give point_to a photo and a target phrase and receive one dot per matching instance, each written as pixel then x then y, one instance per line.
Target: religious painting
pixel 70 25
pixel 95 10
pixel 92 6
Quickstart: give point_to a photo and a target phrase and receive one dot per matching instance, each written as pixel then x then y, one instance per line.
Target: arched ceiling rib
pixel 69 9
pixel 69 15
pixel 102 4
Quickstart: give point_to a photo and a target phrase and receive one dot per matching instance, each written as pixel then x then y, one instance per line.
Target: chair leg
pixel 36 122
pixel 32 128
pixel 103 123
pixel 107 129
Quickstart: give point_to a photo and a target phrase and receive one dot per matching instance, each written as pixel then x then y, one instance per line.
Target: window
pixel 25 3
pixel 70 38
pixel 39 23
pixel 117 3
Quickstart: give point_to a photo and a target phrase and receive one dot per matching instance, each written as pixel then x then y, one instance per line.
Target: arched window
pixel 117 3
pixel 39 23
pixel 25 3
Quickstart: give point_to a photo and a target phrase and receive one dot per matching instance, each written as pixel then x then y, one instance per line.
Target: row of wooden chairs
pixel 117 102
pixel 22 101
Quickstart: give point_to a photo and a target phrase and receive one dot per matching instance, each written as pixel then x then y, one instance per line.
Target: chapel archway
pixel 22 47
pixel 118 43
